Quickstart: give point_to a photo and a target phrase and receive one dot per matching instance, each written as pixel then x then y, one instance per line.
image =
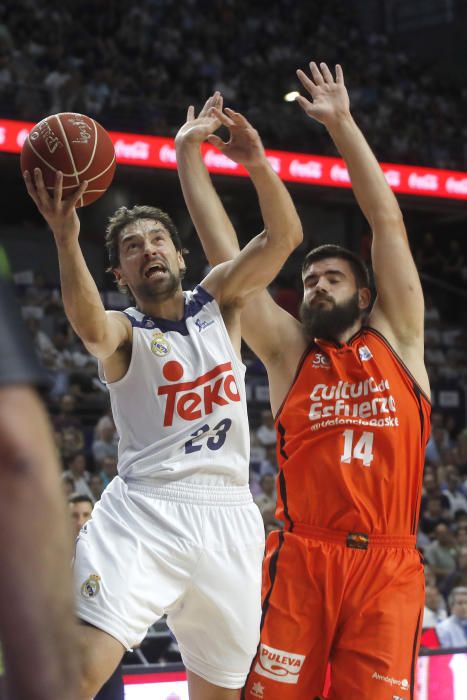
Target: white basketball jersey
pixel 180 410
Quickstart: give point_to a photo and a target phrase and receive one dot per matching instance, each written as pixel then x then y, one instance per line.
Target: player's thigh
pixel 375 652
pixel 217 622
pixel 201 689
pixel 296 632
pixel 100 654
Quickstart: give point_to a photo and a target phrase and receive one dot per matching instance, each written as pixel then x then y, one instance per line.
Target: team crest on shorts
pixel 91 586
pixel 160 346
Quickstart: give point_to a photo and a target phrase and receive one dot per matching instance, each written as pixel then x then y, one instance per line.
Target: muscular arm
pixel 102 332
pixel 263 322
pixel 399 307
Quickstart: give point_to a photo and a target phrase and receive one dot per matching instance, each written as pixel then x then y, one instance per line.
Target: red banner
pixel 159 152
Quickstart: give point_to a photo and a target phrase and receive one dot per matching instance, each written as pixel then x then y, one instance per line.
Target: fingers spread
pixel 339 74
pixel 316 74
pixel 308 84
pixel 305 104
pixel 72 201
pixel 327 75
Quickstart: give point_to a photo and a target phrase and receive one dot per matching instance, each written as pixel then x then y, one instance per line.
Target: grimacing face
pixel 332 302
pixel 149 263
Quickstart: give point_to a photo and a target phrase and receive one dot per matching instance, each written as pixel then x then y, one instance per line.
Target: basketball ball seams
pixel 63 142
pixel 67 146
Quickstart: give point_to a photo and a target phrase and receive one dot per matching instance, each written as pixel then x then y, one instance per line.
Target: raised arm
pixel 264 324
pixel 399 308
pixel 213 226
pixel 101 331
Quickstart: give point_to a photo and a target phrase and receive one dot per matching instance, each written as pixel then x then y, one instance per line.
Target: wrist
pixel 258 166
pixel 339 120
pixel 187 140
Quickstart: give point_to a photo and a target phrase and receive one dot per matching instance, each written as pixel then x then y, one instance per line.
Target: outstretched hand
pixel 244 145
pixel 330 99
pixel 59 213
pixel 197 129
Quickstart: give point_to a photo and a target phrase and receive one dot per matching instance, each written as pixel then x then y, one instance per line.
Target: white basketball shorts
pixel 190 551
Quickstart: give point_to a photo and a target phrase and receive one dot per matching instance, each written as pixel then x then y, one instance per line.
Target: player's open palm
pixel 59 213
pixel 244 145
pixel 329 97
pixel 197 129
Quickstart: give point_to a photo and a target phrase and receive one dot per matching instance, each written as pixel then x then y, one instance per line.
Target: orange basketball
pixel 78 146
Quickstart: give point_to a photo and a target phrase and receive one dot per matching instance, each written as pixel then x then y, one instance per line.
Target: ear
pixel 119 277
pixel 364 298
pixel 181 261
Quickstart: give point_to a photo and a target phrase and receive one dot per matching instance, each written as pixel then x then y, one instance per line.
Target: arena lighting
pixel 291 96
pixel 159 152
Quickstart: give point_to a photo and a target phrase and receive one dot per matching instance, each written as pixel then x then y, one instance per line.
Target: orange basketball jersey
pixel 351 433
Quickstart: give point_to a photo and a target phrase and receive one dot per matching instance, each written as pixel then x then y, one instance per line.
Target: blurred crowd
pixel 136 67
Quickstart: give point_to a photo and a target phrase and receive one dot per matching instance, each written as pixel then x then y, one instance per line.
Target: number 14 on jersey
pixel 358 447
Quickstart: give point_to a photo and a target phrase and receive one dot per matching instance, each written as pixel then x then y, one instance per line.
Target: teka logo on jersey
pixel 281 666
pixel 196 398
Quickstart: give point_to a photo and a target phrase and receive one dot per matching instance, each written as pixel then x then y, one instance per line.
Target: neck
pixel 349 332
pixel 171 309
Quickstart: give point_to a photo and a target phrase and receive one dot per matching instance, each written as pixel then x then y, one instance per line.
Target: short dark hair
pixel 80 498
pixel 123 216
pixel 330 250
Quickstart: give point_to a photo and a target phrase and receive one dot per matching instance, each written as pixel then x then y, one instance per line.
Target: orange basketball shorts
pixel 345 599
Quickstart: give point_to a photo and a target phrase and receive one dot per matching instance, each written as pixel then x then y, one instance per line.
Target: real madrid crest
pixel 91 586
pixel 160 346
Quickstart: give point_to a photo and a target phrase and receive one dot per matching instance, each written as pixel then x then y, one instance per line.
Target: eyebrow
pixel 129 236
pixel 339 273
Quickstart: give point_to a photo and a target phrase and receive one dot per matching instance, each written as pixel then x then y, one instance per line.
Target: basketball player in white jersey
pixel 176 532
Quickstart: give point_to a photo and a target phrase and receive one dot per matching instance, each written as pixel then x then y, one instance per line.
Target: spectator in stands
pixel 76 469
pixel 453 490
pixel 452 632
pixel 459 576
pixel 66 417
pixel 80 511
pixel 266 500
pixel 435 608
pixel 266 432
pixel 441 553
pixel 269 464
pixel 68 485
pixel 106 444
pixel 71 441
pixel 96 486
pixel 108 470
pixel 433 514
pixel 428 257
pixel 431 489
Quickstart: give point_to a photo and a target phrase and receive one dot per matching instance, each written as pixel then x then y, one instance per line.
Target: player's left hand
pixel 197 129
pixel 330 99
pixel 244 145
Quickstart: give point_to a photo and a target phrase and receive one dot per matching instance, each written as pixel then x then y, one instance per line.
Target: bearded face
pixel 325 318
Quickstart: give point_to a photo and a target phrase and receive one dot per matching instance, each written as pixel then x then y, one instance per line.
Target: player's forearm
pixel 373 194
pixel 81 299
pixel 35 551
pixel 280 217
pixel 214 228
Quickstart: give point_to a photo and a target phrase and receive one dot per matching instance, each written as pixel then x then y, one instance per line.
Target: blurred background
pixel 135 67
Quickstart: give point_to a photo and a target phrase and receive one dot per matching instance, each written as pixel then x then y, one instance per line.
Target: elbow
pixel 295 234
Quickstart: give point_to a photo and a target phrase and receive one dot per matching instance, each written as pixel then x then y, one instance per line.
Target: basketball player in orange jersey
pixel 176 532
pixel 343 583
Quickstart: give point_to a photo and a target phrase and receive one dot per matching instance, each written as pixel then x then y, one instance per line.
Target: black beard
pixel 148 292
pixel 329 323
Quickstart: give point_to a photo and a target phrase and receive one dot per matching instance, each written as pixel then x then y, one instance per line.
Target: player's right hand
pixel 197 129
pixel 59 213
